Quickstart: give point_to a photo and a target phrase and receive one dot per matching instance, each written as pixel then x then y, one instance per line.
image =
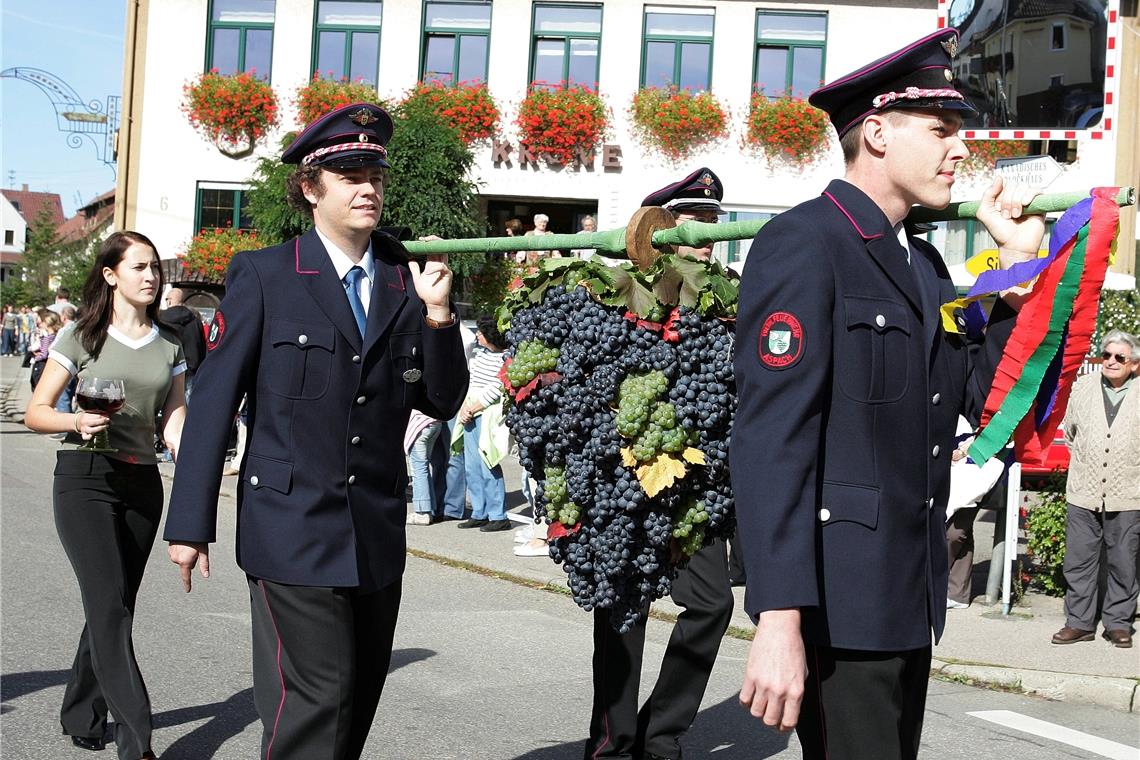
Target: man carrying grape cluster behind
pixel 701 589
pixel 849 391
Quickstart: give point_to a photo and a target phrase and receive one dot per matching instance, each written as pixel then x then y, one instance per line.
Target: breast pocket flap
pixel 879 314
pixel 301 335
pixel 844 502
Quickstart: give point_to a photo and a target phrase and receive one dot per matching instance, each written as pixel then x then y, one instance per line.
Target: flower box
pixel 319 96
pixel 233 111
pixel 677 122
pixel 467 107
pixel 562 122
pixel 787 129
pixel 209 252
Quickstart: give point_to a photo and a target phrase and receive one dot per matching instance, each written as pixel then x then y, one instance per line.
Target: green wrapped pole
pixel 697 234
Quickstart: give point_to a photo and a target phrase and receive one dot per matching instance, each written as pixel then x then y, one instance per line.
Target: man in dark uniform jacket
pixel 849 391
pixel 334 337
pixel 701 589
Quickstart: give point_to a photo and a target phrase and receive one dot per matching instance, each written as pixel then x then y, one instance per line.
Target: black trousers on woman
pixel 107 514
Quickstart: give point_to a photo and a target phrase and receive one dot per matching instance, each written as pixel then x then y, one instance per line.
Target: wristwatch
pixel 435 324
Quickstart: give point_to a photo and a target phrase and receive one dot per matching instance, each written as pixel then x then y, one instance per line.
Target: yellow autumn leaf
pixel 660 473
pixel 627 457
pixel 696 456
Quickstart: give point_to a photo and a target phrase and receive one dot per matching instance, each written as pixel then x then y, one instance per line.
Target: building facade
pixel 173 182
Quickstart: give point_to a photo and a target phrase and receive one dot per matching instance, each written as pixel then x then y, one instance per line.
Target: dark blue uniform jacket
pixel 841 457
pixel 321 498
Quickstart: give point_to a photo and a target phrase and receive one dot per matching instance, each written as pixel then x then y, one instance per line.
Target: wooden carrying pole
pixel 613 243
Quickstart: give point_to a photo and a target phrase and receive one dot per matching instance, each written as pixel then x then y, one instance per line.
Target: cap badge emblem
pixel 949 76
pixel 705 180
pixel 362 137
pixel 364 117
pixel 950 46
pixel 707 192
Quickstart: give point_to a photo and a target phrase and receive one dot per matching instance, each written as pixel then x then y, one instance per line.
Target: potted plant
pixel 233 111
pixel 209 252
pixel 560 122
pixel 467 107
pixel 677 122
pixel 320 95
pixel 787 129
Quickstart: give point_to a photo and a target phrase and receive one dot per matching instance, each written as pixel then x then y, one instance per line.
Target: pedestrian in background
pixel 427 479
pixel 187 323
pixel 849 390
pixel 49 328
pixel 334 337
pixel 10 335
pixel 108 503
pixel 1102 428
pixel 485 485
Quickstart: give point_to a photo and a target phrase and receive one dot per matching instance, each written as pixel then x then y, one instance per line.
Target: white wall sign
pixel 1034 171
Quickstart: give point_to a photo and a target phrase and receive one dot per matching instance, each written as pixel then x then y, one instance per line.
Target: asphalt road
pixel 482 668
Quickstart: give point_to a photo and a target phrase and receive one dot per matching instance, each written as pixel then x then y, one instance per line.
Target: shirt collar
pixel 1123 386
pixel 342 263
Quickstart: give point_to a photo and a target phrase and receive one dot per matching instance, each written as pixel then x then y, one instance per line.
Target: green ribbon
pixel 997 433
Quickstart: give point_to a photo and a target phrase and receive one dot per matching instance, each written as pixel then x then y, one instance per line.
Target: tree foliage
pixel 275 220
pixel 1119 310
pixel 30 283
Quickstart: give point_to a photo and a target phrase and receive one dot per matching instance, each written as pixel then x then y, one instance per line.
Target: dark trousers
pixel 617 728
pixel 1085 533
pixel 107 514
pixel 960 551
pixel 863 705
pixel 320 657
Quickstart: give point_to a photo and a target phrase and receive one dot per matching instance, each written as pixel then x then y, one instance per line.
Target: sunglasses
pixel 1120 358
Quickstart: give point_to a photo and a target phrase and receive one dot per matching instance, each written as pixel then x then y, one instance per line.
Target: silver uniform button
pixel 360 400
pixel 880 320
pixel 935 450
pixel 253 480
pixel 936 399
pixel 824 514
pixel 351 479
pixel 356 360
pixel 355 440
pixel 302 339
pixel 930 503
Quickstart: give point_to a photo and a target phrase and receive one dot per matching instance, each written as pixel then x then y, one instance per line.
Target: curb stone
pixel 1104 691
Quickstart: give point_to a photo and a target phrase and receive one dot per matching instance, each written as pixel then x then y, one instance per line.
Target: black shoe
pixel 473 523
pixel 444 518
pixel 494 526
pixel 95 744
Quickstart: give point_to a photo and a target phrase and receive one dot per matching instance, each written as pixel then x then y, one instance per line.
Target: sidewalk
pixel 980 645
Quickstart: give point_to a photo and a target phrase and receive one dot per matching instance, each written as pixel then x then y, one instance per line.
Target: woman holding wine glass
pixel 108 493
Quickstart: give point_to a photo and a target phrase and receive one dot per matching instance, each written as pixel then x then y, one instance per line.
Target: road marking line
pixel 1073 738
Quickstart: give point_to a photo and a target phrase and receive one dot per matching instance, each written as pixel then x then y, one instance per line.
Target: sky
pixel 81 43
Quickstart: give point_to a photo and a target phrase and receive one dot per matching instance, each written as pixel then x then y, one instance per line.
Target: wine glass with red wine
pixel 101 396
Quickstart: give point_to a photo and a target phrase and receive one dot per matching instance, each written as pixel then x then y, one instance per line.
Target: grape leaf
pixel 627 457
pixel 694 455
pixel 668 285
pixel 636 297
pixel 660 473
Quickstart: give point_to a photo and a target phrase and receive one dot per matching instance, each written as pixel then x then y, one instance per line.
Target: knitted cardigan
pixel 1104 469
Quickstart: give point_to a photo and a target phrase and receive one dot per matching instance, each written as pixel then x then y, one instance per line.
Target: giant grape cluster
pixel 618 396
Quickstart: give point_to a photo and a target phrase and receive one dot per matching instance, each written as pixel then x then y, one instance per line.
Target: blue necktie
pixel 351 283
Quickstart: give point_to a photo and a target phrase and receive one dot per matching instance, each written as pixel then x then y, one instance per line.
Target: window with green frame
pixel 677 50
pixel 346 43
pixel 221 206
pixel 736 250
pixel 240 37
pixel 456 41
pixel 565 40
pixel 789 52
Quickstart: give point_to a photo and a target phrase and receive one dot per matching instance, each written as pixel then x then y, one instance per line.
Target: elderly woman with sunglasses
pixel 1102 427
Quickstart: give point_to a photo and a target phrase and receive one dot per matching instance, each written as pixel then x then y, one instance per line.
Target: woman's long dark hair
pixel 99 296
